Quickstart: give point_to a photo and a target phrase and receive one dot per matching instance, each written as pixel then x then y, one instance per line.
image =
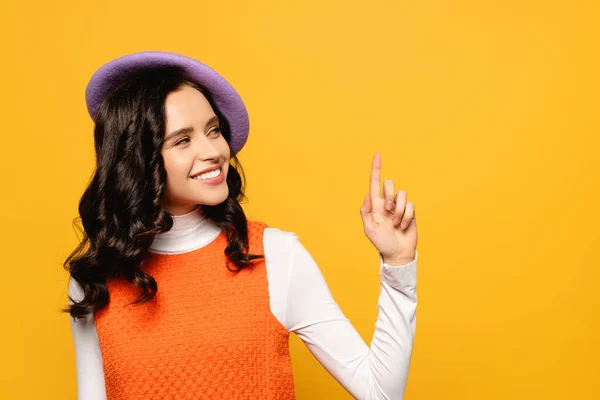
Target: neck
pixel 189 232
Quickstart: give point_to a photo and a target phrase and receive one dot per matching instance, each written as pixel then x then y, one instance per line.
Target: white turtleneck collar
pixel 189 232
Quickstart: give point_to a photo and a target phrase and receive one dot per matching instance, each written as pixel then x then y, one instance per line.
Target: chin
pixel 214 201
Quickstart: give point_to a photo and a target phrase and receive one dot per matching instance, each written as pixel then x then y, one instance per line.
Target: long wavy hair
pixel 121 211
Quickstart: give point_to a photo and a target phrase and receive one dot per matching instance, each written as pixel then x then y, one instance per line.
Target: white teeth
pixel 208 175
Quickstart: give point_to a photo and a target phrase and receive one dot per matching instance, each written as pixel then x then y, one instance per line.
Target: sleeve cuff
pixel 402 277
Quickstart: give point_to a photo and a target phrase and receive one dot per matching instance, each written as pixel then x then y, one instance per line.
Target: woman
pixel 174 294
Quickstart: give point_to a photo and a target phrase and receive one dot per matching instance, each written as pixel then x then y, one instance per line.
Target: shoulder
pixel 278 238
pixel 273 236
pixel 278 243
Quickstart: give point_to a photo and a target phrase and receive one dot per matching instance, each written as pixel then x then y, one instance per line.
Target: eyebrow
pixel 189 129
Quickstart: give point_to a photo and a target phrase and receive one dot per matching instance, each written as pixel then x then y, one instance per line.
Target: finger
pixel 388 194
pixel 365 209
pixel 375 175
pixel 400 207
pixel 409 214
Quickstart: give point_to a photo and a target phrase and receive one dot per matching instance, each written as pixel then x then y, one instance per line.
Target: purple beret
pixel 227 100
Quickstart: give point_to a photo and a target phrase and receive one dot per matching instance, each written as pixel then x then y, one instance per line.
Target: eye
pixel 182 141
pixel 217 130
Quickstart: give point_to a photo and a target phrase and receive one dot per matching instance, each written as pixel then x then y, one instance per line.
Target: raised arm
pixel 381 371
pixel 378 372
pixel 88 358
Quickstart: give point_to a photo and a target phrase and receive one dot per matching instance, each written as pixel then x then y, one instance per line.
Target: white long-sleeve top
pixel 302 302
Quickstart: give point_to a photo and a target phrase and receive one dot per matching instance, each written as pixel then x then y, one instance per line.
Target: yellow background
pixel 486 112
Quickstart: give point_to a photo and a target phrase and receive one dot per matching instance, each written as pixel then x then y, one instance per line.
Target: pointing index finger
pixel 375 175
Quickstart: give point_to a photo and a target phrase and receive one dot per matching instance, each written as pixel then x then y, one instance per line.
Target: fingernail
pixel 389 205
pixel 403 225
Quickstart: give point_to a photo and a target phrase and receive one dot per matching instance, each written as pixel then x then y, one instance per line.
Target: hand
pixel 389 223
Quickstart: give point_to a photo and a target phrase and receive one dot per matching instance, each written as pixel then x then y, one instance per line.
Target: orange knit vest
pixel 208 333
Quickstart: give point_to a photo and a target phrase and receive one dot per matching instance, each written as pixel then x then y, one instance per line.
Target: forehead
pixel 187 106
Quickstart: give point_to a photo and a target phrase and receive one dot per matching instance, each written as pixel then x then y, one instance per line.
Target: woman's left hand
pixel 389 222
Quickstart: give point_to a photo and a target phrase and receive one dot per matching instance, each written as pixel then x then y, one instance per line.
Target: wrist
pixel 396 261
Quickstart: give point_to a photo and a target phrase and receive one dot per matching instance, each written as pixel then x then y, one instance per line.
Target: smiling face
pixel 193 143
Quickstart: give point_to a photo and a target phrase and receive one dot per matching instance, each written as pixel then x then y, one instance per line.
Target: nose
pixel 206 150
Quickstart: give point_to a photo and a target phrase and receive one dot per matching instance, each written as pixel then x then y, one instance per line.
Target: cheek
pixel 176 166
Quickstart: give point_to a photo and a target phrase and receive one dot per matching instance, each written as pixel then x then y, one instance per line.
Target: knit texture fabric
pixel 208 333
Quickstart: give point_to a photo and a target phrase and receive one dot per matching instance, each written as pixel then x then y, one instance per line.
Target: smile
pixel 210 177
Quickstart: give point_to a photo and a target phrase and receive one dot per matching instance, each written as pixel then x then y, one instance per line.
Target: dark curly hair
pixel 120 209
